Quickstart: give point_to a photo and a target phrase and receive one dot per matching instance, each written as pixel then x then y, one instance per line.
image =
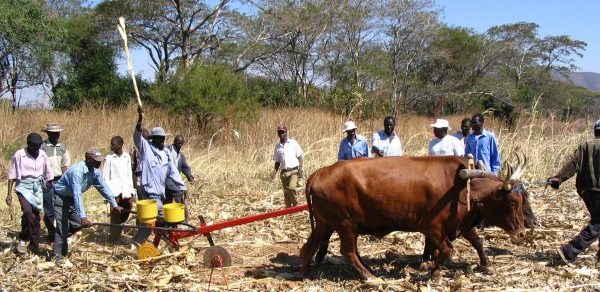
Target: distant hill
pixel 589 80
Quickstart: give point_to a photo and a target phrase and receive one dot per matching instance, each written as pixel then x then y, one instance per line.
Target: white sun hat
pixel 441 123
pixel 349 125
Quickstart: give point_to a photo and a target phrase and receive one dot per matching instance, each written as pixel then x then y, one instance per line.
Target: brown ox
pixel 416 194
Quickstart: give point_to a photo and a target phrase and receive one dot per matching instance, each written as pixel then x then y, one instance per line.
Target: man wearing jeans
pixel 69 211
pixel 157 165
pixel 585 162
pixel 288 159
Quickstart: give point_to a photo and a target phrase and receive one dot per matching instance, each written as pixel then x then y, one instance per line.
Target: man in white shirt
pixel 118 176
pixel 444 144
pixel 386 142
pixel 288 159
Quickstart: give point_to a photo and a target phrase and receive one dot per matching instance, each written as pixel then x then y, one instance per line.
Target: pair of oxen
pixel 440 197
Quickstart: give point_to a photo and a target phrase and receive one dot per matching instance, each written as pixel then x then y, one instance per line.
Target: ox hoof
pixel 488 270
pixel 426 266
pixel 436 276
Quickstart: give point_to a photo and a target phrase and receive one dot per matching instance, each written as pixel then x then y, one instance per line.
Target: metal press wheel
pixel 147 250
pixel 216 257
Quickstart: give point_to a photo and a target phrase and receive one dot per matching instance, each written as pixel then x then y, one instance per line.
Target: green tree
pixel 457 61
pixel 208 93
pixel 29 36
pixel 91 76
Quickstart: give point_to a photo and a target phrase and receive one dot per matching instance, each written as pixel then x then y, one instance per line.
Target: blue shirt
pixel 485 148
pixel 348 151
pixel 157 166
pixel 78 179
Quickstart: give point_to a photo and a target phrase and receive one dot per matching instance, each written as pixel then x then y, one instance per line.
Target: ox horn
pixel 509 171
pixel 521 167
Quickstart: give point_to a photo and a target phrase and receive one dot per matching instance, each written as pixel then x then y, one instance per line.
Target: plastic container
pixel 174 212
pixel 147 211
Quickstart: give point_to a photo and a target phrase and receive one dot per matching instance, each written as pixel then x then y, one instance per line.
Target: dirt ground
pixel 265 255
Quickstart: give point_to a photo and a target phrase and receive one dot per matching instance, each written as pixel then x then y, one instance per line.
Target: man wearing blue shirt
pixel 69 211
pixel 353 145
pixel 157 166
pixel 483 145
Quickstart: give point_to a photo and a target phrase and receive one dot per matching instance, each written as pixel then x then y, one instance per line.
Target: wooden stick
pixel 123 32
pixel 470 165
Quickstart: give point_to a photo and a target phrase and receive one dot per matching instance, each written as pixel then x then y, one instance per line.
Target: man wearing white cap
pixel 386 142
pixel 353 145
pixel 157 166
pixel 60 160
pixel 584 162
pixel 69 210
pixel 444 144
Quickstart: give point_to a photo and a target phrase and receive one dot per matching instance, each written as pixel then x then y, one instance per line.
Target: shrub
pixel 206 92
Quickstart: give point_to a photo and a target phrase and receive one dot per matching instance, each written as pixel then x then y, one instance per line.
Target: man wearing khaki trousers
pixel 288 159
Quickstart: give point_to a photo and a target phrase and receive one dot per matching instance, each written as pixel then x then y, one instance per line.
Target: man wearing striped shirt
pixel 60 160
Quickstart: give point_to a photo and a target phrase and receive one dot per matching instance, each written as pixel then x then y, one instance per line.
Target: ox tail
pixel 308 190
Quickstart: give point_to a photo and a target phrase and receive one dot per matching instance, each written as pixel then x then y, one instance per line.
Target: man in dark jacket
pixel 585 162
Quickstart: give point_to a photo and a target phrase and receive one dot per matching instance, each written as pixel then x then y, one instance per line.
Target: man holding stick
pixel 157 166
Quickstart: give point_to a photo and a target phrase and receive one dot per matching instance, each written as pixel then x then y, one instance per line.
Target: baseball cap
pixel 95 154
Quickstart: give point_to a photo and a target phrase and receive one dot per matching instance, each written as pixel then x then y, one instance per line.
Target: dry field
pixel 234 182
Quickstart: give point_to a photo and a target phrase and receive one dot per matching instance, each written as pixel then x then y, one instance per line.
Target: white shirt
pixel 460 137
pixel 449 145
pixel 287 154
pixel 118 174
pixel 390 146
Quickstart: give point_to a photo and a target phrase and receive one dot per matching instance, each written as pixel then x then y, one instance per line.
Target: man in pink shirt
pixel 30 170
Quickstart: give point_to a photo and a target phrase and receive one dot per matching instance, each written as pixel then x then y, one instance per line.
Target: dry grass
pixel 233 183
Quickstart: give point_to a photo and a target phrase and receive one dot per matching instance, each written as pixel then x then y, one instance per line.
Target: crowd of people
pixel 44 180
